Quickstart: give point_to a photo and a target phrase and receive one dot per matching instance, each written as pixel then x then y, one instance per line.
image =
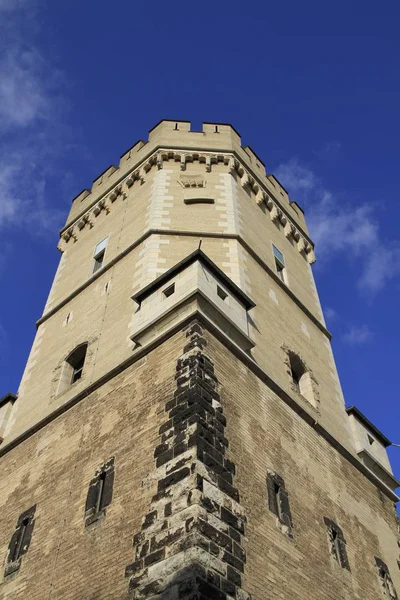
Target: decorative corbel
pixel 82 222
pixel 295 234
pixel 67 235
pixel 159 162
pixel 231 165
pixel 287 230
pixel 301 245
pixel 311 258
pixel 115 193
pixel 107 204
pixel 129 182
pixel 260 196
pixel 98 208
pixel 244 180
pixel 183 162
pixel 208 164
pixel 269 203
pixel 274 214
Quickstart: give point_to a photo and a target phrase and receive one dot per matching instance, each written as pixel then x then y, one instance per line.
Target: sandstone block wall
pixel 125 419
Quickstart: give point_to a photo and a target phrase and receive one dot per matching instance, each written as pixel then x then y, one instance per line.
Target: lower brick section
pixel 189 545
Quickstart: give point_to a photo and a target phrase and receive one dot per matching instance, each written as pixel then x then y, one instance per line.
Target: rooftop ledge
pixel 195 284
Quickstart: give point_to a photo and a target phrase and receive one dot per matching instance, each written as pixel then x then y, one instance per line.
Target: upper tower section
pixel 174 141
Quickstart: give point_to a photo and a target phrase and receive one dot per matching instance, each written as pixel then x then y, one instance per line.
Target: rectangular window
pixel 98 255
pixel 278 501
pixel 100 493
pixel 279 264
pixel 388 588
pixel 169 291
pixel 337 543
pixel 20 540
pixel 221 293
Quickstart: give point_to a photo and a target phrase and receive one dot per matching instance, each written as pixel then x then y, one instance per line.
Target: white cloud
pixel 358 335
pixel 23 94
pixel 31 124
pixel 339 227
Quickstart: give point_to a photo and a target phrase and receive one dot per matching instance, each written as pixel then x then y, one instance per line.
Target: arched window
pixel 76 360
pixel 73 367
pixel 301 378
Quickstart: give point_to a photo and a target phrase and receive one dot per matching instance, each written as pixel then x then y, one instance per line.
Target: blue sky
pixel 313 87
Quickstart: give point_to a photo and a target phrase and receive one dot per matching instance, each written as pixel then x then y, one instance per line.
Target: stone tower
pixel 180 430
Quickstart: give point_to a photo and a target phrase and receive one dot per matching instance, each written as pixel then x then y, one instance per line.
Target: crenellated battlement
pixel 173 135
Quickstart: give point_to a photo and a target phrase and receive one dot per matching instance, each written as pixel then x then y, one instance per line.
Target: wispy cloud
pixel 358 335
pixel 338 227
pixel 31 121
pixel 23 93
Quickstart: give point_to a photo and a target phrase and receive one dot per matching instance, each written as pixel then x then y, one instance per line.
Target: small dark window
pixel 221 293
pixel 278 501
pixel 76 361
pixel 279 263
pixel 20 540
pixel 100 493
pixel 280 270
pixel 98 254
pixel 337 543
pixel 370 439
pixel 296 380
pixel 169 291
pixel 98 261
pixel 176 127
pixel 388 588
pixel 216 130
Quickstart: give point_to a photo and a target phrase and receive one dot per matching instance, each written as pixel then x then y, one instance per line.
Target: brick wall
pixel 122 419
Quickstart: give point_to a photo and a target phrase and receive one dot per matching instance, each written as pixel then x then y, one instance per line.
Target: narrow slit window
pixel 169 291
pixel 99 254
pixel 20 540
pixel 389 591
pixel 176 127
pixel 279 264
pixel 337 544
pixel 278 501
pixel 100 493
pixel 221 293
pixel 296 380
pixel 216 130
pixel 370 439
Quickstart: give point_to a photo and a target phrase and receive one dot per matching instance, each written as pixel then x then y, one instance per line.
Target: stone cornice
pixel 200 234
pixel 248 179
pixel 241 355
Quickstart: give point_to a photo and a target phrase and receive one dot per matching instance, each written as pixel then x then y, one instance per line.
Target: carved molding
pixel 158 159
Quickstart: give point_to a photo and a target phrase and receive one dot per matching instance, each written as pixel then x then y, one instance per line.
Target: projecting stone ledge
pixel 195 285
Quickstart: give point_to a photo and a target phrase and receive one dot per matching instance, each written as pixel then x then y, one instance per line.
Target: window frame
pixel 99 253
pixel 20 540
pixel 338 548
pixel 100 493
pixel 278 502
pixel 280 264
pixel 385 579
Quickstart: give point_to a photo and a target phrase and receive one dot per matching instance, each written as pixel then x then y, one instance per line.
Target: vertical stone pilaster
pixel 190 542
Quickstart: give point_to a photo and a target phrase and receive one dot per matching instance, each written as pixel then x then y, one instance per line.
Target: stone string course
pixel 190 542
